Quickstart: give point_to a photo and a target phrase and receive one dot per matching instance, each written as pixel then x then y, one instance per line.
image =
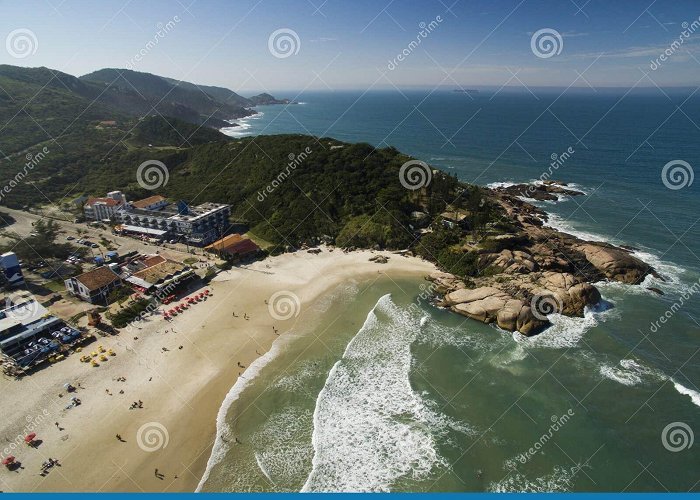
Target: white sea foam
pixel 241 126
pixel 283 449
pixel 222 429
pixel 669 271
pixel 496 185
pixel 694 395
pixel 370 427
pixel 560 480
pixel 297 380
pixel 631 372
pixel 565 331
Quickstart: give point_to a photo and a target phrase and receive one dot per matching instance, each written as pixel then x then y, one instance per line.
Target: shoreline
pixel 183 389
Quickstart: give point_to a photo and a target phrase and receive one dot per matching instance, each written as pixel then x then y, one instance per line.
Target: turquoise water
pixel 385 393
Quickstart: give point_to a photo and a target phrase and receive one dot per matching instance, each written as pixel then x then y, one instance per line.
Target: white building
pixel 104 208
pixel 199 225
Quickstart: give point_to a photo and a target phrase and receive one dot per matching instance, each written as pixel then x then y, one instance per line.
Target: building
pixel 11 270
pixel 29 334
pixel 94 286
pixel 155 202
pixel 99 209
pixel 156 218
pixel 234 246
pixel 153 274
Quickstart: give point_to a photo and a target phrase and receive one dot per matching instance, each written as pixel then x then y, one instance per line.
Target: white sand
pixel 181 389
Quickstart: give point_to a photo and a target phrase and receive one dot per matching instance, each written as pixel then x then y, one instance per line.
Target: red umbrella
pixel 8 460
pixel 30 437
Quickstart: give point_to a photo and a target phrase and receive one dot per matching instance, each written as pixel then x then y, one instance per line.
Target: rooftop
pixel 104 201
pixel 148 201
pixel 160 271
pixel 22 313
pixel 224 242
pixel 97 278
pixel 234 244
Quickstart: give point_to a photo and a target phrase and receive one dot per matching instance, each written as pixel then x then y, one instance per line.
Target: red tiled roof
pixel 225 242
pixel 243 247
pixel 148 201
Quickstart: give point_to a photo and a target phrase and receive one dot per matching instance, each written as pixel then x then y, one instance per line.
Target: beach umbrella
pixel 30 437
pixel 9 460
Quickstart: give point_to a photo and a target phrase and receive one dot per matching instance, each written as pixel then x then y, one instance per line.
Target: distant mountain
pixel 140 93
pixel 40 104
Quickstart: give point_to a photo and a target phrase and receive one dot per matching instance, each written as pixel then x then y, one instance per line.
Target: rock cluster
pixel 537 271
pixel 543 191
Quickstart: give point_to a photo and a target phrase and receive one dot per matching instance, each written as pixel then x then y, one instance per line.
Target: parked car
pixel 94 245
pixel 70 238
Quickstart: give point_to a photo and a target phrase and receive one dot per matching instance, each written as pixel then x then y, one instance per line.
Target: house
pixel 155 202
pixel 99 209
pixel 234 246
pixel 94 286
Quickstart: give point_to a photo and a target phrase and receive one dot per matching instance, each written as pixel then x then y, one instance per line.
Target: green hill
pixel 41 104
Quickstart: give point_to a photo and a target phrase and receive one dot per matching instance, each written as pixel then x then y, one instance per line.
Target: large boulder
pixel 489 304
pixel 615 263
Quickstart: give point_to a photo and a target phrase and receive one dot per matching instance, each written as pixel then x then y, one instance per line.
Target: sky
pixel 252 46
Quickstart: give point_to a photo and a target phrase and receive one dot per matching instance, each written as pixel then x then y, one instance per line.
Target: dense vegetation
pixel 289 189
pixel 159 131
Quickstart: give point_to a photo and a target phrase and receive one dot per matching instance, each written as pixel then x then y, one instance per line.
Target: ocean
pixel 385 392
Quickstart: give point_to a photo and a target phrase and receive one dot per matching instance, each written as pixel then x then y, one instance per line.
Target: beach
pixel 180 371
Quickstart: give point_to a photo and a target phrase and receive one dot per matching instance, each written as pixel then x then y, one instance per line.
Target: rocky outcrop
pixel 534 272
pixel 615 263
pixel 541 191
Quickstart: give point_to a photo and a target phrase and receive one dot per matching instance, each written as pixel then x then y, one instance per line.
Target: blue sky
pixel 351 44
